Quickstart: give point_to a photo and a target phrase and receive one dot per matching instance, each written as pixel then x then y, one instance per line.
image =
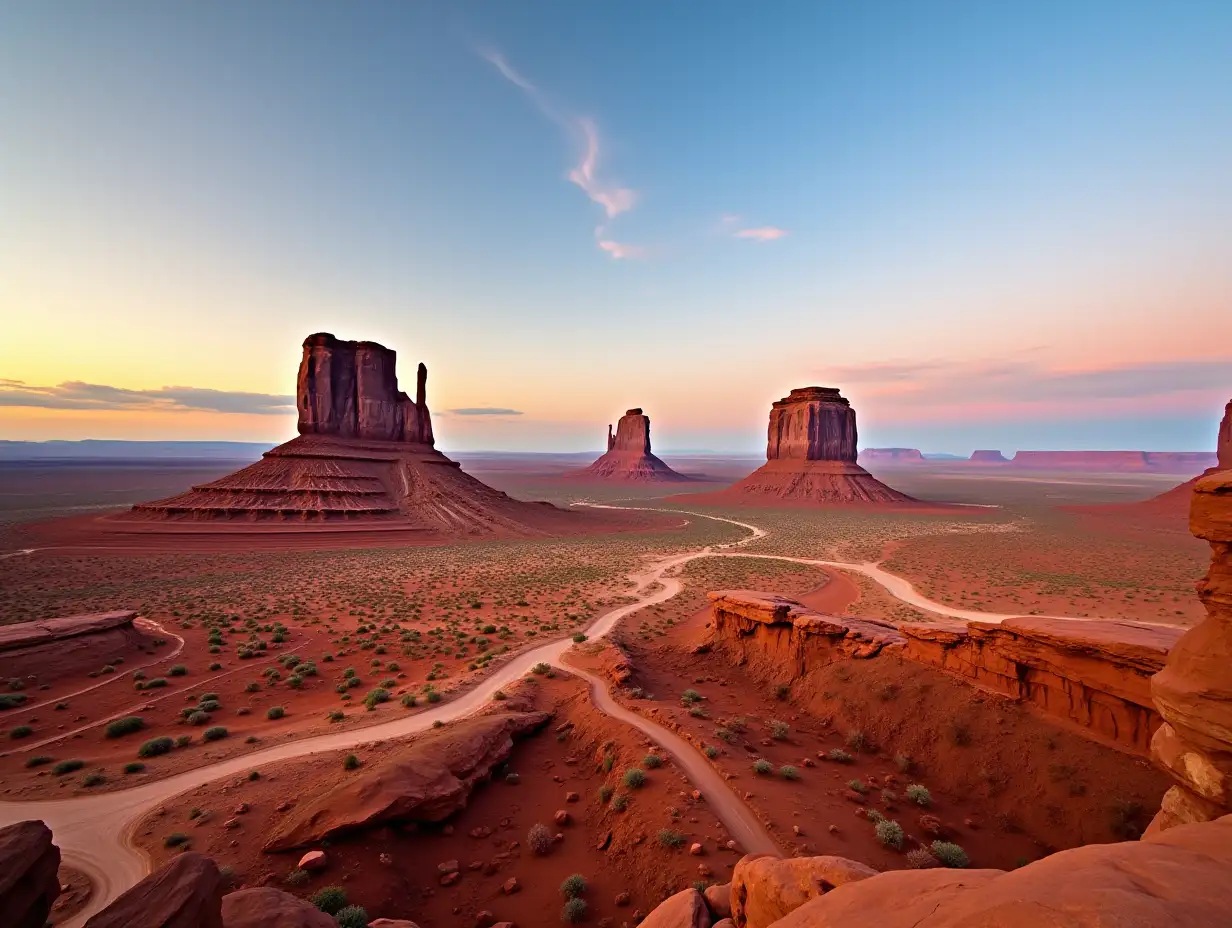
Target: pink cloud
pixel 619 250
pixel 761 233
pixel 614 199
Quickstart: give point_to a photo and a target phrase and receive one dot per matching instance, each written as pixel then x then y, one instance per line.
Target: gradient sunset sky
pixel 992 224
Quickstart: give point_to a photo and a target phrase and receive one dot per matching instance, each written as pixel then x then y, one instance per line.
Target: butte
pixel 810 459
pixel 364 462
pixel 628 458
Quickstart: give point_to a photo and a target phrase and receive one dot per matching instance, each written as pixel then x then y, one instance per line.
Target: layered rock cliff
pixel 628 458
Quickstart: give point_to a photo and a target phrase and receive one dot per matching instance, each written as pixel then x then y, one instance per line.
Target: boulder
pixel 431 780
pixel 686 909
pixel 1178 877
pixel 718 899
pixel 28 882
pixel 314 861
pixel 266 907
pixel 186 893
pixel 764 889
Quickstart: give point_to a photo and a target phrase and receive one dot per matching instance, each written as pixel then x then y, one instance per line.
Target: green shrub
pixel 408 701
pixel 620 802
pixel 578 637
pixel 688 697
pixel 919 795
pixel 297 877
pixel 859 786
pixel 125 726
pixel 670 838
pixel 331 899
pixel 176 839
pixel 434 696
pixel 214 734
pixel 38 761
pixel 350 762
pixel 762 766
pixel 788 772
pixel 67 766
pixel 541 668
pixel 134 767
pixel 183 741
pixel 779 730
pixel 574 911
pixel 93 779
pixel 652 761
pixel 573 886
pixel 21 731
pixel 179 670
pixel 890 833
pixel 634 778
pixel 336 715
pixel 838 755
pixel 950 854
pixel 11 700
pixel 858 741
pixel 155 746
pixel 352 916
pixel 275 712
pixel 197 717
pixel 539 839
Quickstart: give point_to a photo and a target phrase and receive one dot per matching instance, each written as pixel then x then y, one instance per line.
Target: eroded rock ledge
pixel 1095 674
pixel 28 634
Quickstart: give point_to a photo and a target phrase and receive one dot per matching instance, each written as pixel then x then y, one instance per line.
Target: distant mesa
pixel 988 457
pixel 810 458
pixel 1150 462
pixel 628 458
pixel 891 456
pixel 364 458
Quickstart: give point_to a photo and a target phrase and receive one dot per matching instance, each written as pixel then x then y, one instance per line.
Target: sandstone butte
pixel 364 456
pixel 987 456
pixel 810 458
pixel 628 458
pixel 891 456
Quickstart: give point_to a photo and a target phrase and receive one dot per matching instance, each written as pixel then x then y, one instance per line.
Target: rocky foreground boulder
pixel 686 909
pixel 429 781
pixel 28 882
pixel 266 907
pixel 764 889
pixel 186 893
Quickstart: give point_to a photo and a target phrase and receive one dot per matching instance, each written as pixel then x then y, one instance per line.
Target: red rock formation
pixel 1155 462
pixel 430 781
pixel 1193 692
pixel 988 457
pixel 810 458
pixel 686 909
pixel 46 631
pixel 28 882
pixel 628 458
pixel 765 889
pixel 266 907
pixel 1175 878
pixel 1223 442
pixel 891 456
pixel 1092 674
pixel 186 893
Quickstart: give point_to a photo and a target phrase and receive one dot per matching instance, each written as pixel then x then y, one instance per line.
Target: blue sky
pixel 990 224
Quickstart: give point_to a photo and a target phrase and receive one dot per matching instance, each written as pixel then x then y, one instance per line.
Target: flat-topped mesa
pixel 891 456
pixel 350 389
pixel 812 424
pixel 628 457
pixel 986 456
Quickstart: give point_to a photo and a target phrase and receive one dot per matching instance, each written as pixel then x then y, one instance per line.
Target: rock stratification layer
pixel 628 457
pixel 810 457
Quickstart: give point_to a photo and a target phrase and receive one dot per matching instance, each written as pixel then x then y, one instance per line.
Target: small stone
pixel 696 849
pixel 385 859
pixel 511 886
pixel 484 919
pixel 623 898
pixel 561 817
pixel 448 866
pixel 314 861
pixel 572 797
pixel 450 878
pixel 482 831
pixel 242 809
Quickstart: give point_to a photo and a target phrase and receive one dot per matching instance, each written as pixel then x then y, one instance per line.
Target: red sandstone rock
pixel 403 923
pixel 718 899
pixel 764 889
pixel 1158 462
pixel 428 782
pixel 186 893
pixel 628 458
pixel 46 631
pixel 1175 878
pixel 1223 441
pixel 28 882
pixel 313 861
pixel 684 910
pixel 988 457
pixel 266 907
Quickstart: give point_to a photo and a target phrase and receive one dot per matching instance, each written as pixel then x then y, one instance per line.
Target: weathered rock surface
pixel 628 458
pixel 1095 674
pixel 350 389
pixel 810 458
pixel 46 631
pixel 186 893
pixel 891 456
pixel 28 882
pixel 686 909
pixel 1175 878
pixel 764 889
pixel 1223 441
pixel 986 456
pixel 431 780
pixel 1193 692
pixel 266 907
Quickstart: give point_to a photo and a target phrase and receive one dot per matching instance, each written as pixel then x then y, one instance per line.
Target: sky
pixel 992 225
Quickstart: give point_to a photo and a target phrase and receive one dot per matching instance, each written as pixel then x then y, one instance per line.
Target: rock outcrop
pixel 266 907
pixel 364 456
pixel 628 458
pixel 1223 442
pixel 1151 462
pixel 1175 878
pixel 891 456
pixel 1193 691
pixel 47 631
pixel 430 781
pixel 986 456
pixel 1094 674
pixel 686 909
pixel 186 893
pixel 810 458
pixel 764 889
pixel 28 882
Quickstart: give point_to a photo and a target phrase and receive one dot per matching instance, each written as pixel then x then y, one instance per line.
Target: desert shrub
pixel 921 858
pixel 499 696
pixel 688 697
pixel 183 741
pixel 788 772
pixel 175 839
pixel 839 756
pixel 698 712
pixel 652 761
pixel 919 795
pixel 782 691
pixel 214 734
pixel 762 766
pixel 331 899
pixel 93 779
pixel 634 778
pixel 434 696
pixel 125 726
pixel 197 717
pixel 710 751
pixel 156 684
pixel 215 666
pixel 605 792
pixel 336 715
pixel 574 911
pixel 155 746
pixel 874 817
pixel 350 762
pixel 859 786
pixel 779 730
pixel 670 838
pixel 179 670
pixel 297 877
pixel 295 681
pixel 541 668
pixel 209 703
pixel 21 731
pixel 38 761
pixel 11 700
pixel 67 766
pixel 275 712
pixel 539 839
pixel 134 767
pixel 352 916
pixel 890 833
pixel 252 687
pixel 620 802
pixel 573 886
pixel 950 854
pixel 858 741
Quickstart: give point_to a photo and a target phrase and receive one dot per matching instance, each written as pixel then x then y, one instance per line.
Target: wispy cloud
pixel 485 411
pixel 74 394
pixel 614 198
pixel 761 233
